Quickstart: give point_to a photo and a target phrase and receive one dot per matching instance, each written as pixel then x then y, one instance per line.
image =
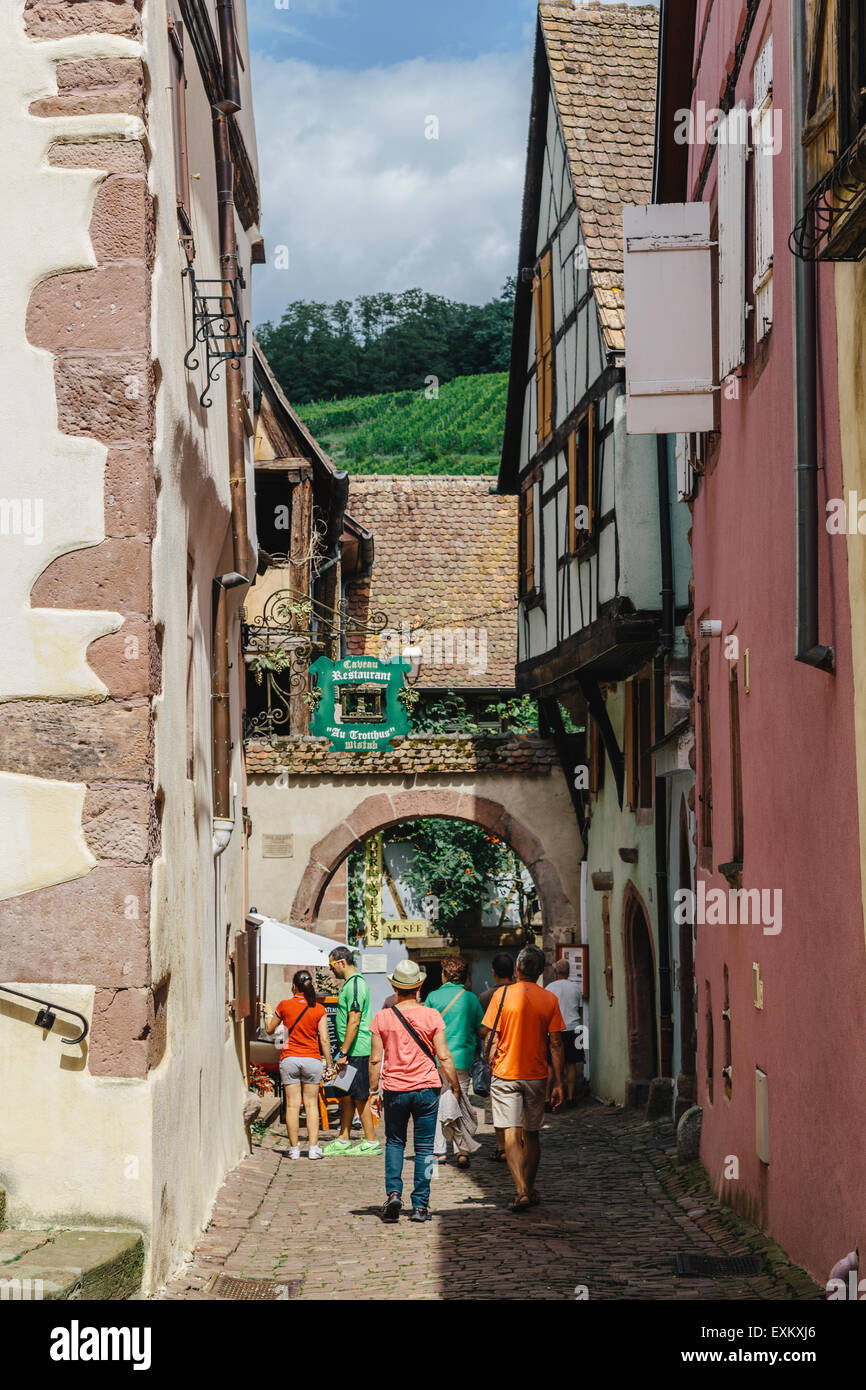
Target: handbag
pixel 481 1074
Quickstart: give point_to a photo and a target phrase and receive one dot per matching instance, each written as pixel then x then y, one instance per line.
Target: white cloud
pixel 364 202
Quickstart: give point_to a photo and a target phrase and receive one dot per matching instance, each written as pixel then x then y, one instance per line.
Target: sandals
pixel 522 1203
pixel 462 1160
pixel 498 1156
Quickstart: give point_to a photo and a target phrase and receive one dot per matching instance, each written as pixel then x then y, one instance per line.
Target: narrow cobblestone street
pixel 616 1211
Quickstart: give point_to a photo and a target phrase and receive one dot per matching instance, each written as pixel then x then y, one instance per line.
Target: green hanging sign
pixel 359 708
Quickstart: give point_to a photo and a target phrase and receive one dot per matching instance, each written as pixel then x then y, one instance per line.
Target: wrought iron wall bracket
pixel 217 323
pixel 46 1015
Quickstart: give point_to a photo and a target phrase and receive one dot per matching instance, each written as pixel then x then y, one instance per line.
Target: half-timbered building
pixel 603 546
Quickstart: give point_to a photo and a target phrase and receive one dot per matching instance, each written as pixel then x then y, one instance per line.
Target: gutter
pixel 808 648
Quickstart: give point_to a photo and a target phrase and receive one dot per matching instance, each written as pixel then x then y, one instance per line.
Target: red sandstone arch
pixel 383 810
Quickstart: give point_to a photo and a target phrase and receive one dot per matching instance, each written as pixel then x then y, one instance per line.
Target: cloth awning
pixel 280 944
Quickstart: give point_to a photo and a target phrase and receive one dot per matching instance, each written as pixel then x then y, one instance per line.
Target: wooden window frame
pixel 526 515
pixel 582 472
pixel 733 870
pixel 542 295
pixel 179 132
pixel 639 775
pixel 851 75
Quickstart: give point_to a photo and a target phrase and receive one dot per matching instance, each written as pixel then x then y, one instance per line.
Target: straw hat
pixel 408 975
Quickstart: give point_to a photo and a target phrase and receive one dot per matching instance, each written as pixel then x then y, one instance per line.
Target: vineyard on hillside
pixel 457 431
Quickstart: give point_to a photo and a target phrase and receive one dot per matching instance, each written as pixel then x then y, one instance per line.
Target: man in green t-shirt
pixel 462 1012
pixel 355 1040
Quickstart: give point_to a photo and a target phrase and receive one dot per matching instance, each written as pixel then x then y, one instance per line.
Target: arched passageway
pixel 382 811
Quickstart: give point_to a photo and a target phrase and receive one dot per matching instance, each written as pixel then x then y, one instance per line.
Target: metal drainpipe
pixel 222 747
pixel 666 1022
pixel 808 649
pixel 223 822
pixel 234 374
pixel 228 51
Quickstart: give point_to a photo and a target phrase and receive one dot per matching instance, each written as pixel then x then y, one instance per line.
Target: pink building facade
pixel 781 997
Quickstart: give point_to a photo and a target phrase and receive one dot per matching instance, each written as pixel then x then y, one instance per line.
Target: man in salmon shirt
pixel 522 1017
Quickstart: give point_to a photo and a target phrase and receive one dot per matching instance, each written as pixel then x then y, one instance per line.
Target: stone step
pixel 73 1264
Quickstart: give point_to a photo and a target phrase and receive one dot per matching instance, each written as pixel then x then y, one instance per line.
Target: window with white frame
pixel 762 139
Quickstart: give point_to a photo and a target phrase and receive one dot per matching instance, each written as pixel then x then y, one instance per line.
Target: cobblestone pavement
pixel 616 1211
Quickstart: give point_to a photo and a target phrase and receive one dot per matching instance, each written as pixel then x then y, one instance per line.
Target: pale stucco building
pixel 130 160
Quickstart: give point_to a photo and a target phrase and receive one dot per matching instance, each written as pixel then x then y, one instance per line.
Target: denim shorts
pixel 296 1071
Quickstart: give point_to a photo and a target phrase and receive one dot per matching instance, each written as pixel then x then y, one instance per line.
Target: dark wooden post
pixel 300 547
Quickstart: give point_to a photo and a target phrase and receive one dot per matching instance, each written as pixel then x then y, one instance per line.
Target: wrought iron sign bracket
pixel 217 323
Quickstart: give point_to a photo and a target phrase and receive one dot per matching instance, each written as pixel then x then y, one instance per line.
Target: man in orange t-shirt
pixel 528 1016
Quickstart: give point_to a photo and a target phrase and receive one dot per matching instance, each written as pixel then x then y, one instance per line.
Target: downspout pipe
pixel 666 1012
pixel 808 648
pixel 228 51
pixel 234 374
pixel 223 822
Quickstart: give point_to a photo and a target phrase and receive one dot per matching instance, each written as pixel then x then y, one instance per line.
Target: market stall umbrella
pixel 280 944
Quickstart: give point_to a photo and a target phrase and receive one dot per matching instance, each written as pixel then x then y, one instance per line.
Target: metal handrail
pixel 46 1016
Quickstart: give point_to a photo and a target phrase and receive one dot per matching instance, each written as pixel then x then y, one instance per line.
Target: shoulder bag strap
pixel 495 1023
pixel 451 1002
pixel 297 1021
pixel 409 1029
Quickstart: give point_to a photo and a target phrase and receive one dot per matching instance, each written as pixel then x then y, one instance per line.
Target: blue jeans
pixel 423 1106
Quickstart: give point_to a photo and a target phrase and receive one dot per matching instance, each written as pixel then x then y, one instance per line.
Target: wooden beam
pixel 598 710
pixel 300 541
pixel 298 469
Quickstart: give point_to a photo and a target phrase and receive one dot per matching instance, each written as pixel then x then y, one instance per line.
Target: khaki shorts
pixel 518 1104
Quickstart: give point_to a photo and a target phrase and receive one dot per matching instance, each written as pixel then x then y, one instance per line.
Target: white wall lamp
pixel 413 656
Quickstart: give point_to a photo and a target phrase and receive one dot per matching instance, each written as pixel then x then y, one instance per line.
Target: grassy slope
pixel 460 431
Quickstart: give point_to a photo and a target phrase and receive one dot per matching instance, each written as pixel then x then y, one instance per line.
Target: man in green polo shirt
pixel 462 1012
pixel 355 1040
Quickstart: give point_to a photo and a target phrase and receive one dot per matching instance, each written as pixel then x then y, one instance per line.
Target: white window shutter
pixel 733 138
pixel 668 318
pixel 762 135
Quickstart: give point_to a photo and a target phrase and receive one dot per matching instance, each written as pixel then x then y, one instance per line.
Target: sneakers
pixel 391 1209
pixel 294 1152
pixel 336 1148
pixel 315 1151
pixel 366 1146
pixel 420 1214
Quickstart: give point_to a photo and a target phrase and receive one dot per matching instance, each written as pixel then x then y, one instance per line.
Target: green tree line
pixel 385 343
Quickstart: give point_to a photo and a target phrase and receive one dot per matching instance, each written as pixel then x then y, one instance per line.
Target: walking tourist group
pixel 414 1060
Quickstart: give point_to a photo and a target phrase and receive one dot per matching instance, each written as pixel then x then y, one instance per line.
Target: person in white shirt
pixel 569 999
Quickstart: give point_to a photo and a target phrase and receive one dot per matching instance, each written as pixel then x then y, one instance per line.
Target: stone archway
pixel 382 810
pixel 641 998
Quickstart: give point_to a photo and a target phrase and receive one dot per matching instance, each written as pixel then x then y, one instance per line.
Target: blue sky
pixel 358 34
pixel 356 197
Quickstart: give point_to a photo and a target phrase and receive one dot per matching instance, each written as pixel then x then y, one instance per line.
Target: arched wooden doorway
pixel 643 1052
pixel 687 1079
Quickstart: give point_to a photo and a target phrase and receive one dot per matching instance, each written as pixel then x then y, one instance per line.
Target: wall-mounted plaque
pixel 278 846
